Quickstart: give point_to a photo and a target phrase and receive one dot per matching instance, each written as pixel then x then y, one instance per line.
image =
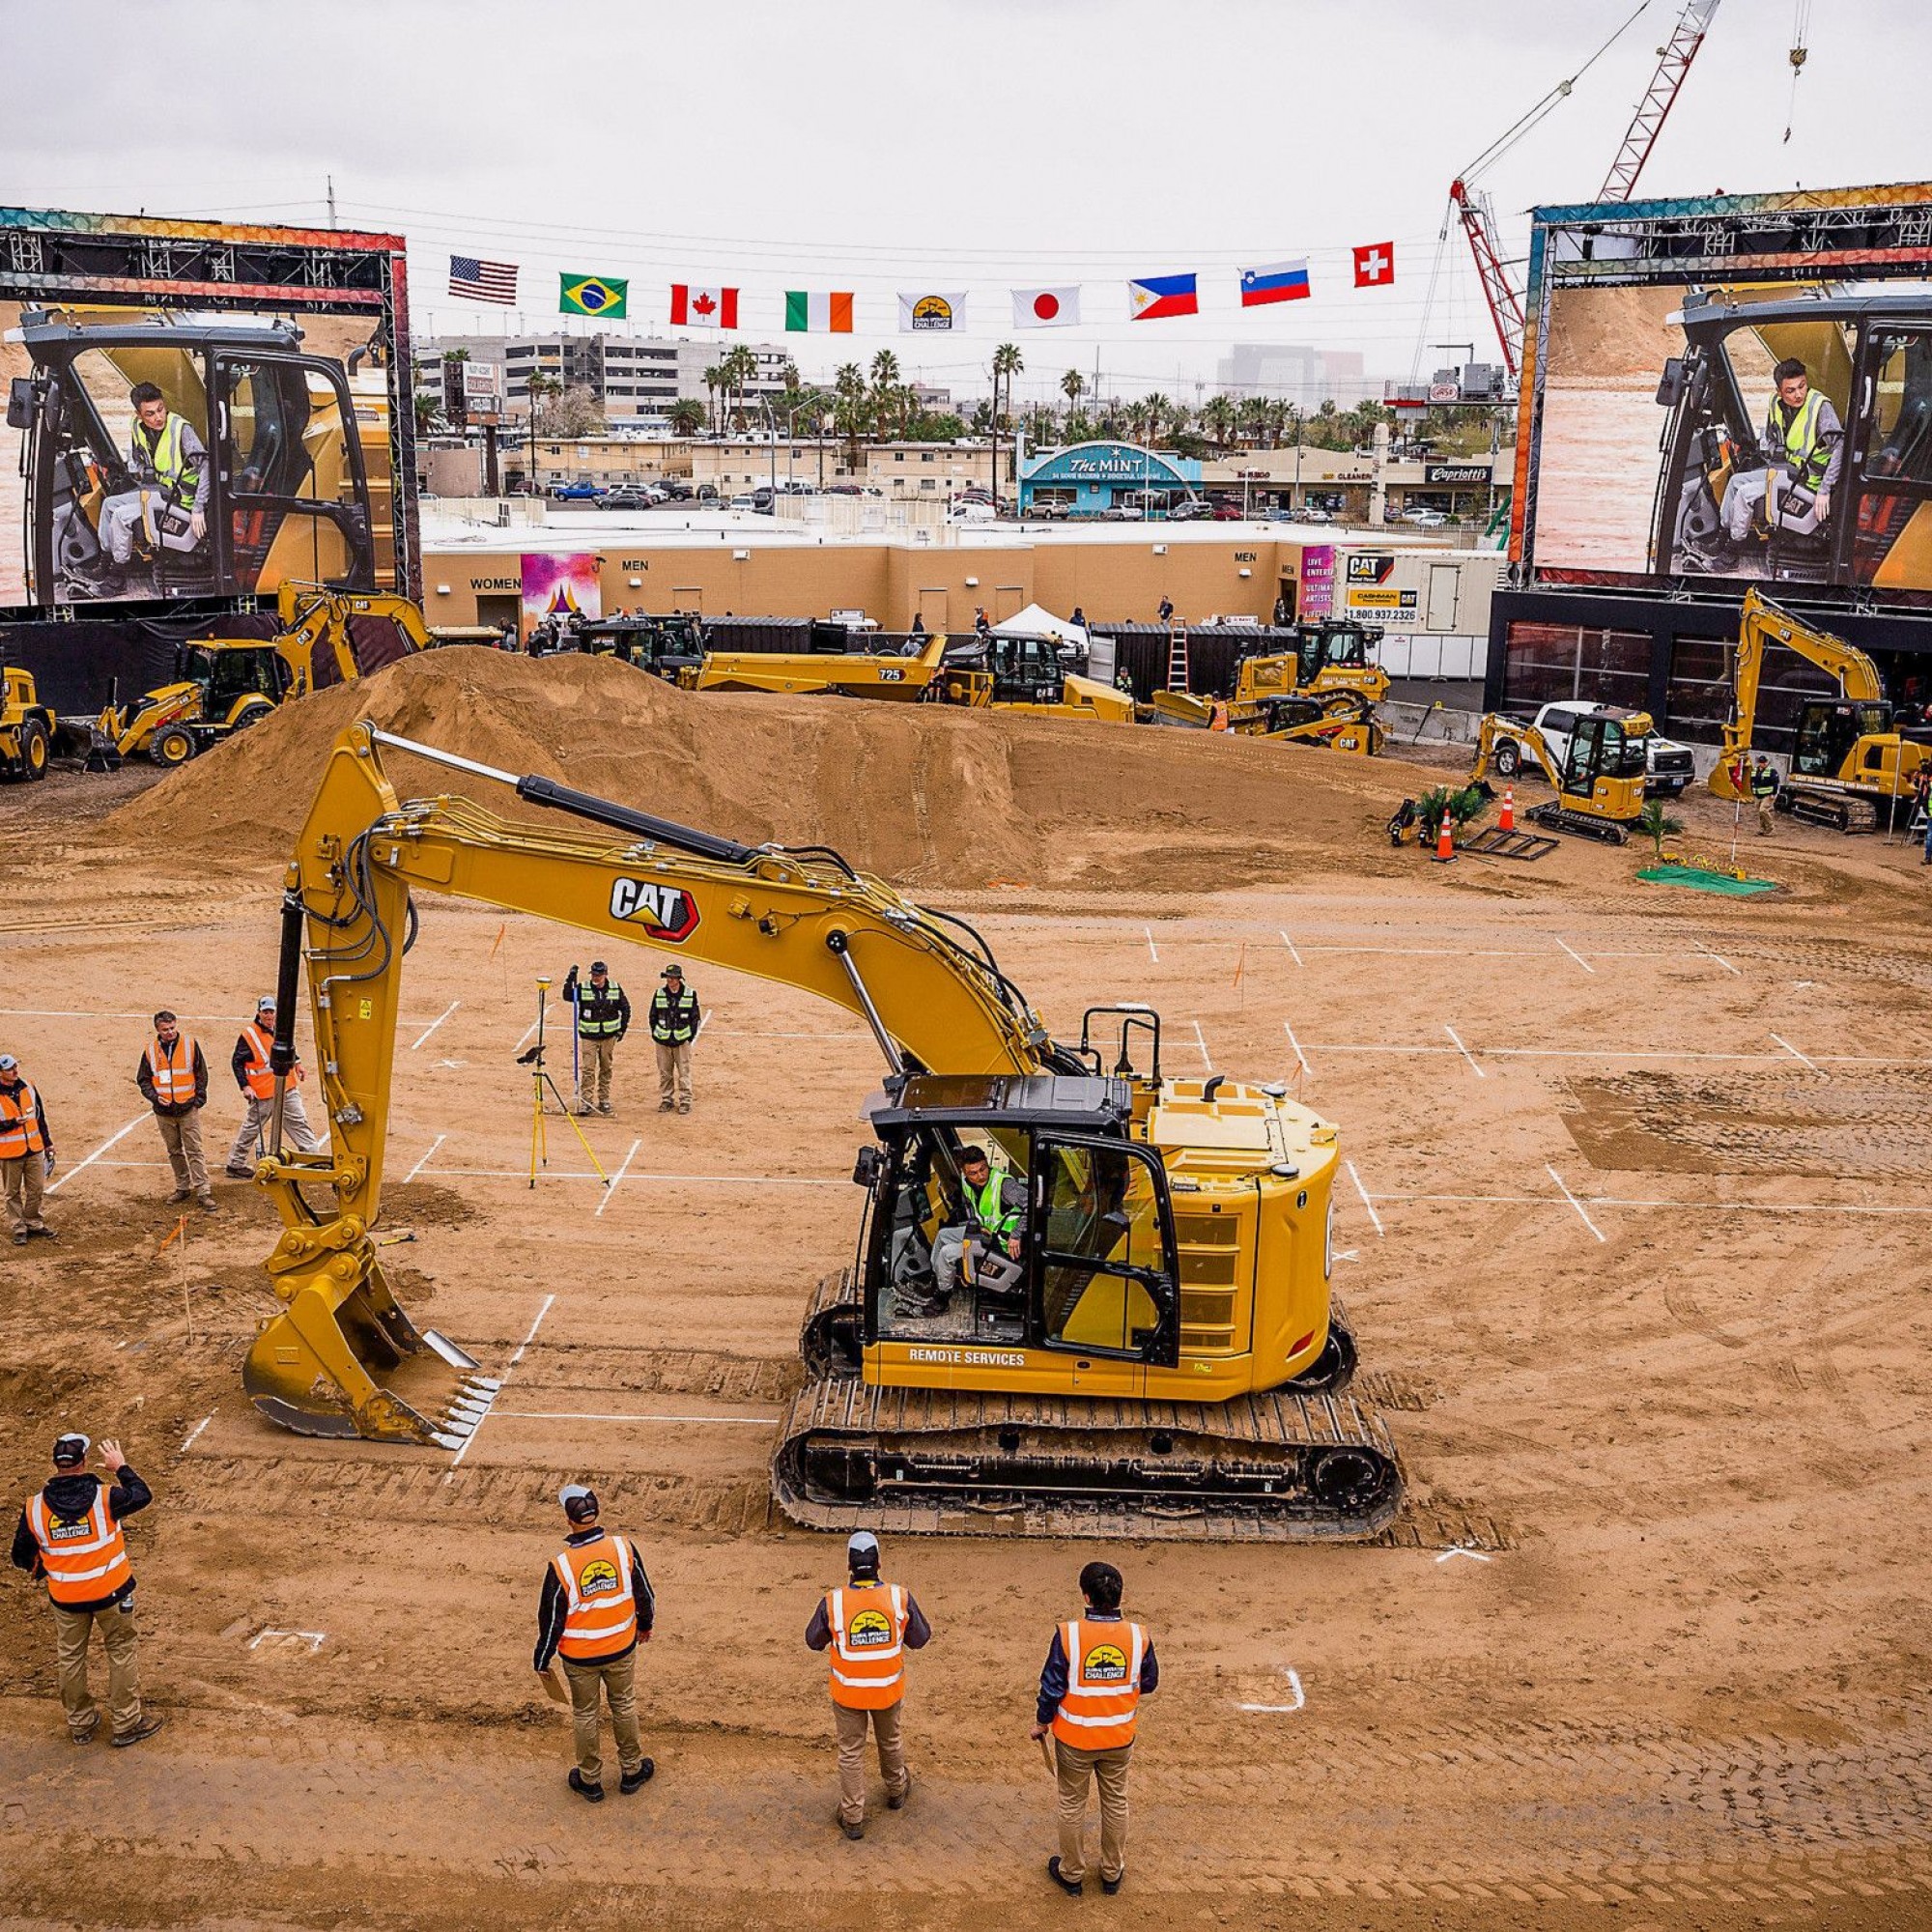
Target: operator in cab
pixel 1803 447
pixel 168 463
pixel 992 1218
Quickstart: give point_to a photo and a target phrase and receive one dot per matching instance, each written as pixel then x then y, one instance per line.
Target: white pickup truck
pixel 1668 766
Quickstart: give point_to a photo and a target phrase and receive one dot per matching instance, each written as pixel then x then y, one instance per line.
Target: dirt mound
pixel 915 793
pixel 1620 333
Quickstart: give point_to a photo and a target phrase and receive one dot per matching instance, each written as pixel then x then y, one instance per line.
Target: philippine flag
pixel 1046 308
pixel 1277 282
pixel 1153 296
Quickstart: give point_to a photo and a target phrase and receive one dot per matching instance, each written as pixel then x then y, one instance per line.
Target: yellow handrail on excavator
pixel 1176 1252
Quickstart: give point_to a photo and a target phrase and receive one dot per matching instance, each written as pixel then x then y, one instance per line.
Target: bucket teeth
pixel 487 1383
pixel 446 1441
pixel 455 1425
pixel 472 1413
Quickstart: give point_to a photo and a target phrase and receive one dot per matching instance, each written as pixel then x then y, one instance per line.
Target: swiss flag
pixel 693 307
pixel 1375 265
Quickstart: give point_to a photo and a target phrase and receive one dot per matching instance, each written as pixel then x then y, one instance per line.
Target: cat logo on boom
pixel 664 912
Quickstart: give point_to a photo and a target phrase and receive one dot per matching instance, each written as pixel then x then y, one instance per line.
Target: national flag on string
pixel 1375 265
pixel 1155 297
pixel 483 281
pixel 606 295
pixel 819 314
pixel 693 307
pixel 1275 282
pixel 1046 308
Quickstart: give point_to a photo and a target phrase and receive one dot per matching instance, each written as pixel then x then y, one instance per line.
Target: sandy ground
pixel 1634 1230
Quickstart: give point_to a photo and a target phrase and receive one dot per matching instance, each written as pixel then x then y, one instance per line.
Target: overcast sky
pixel 976 145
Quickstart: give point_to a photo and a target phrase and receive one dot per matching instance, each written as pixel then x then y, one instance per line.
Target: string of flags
pixel 920 311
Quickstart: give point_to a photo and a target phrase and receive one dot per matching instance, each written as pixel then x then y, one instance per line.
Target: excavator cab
pixel 1097 1273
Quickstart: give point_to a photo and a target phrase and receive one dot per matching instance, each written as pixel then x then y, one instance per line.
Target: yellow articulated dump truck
pixel 1086 1292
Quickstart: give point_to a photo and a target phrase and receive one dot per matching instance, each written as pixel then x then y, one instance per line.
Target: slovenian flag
pixel 1277 282
pixel 1157 295
pixel 818 314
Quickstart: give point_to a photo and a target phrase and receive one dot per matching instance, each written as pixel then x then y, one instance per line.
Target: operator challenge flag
pixel 592 295
pixel 942 313
pixel 818 314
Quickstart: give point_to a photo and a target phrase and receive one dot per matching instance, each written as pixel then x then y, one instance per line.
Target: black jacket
pixel 144 1079
pixel 594 1008
pixel 70 1498
pixel 554 1605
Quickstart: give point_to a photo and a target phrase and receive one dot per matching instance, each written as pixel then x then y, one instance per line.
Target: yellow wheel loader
pixel 1851 766
pixel 1599 780
pixel 27 727
pixel 1155 1351
pixel 223 685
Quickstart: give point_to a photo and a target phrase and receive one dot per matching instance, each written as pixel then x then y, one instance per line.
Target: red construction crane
pixel 1673 63
pixel 1504 298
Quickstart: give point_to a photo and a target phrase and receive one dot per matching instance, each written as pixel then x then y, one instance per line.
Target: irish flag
pixel 819 314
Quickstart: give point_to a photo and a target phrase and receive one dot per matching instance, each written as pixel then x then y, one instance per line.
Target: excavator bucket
pixel 343 1360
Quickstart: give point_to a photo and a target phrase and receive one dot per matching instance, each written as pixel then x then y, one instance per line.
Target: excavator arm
pixel 1527 736
pixel 1760 623
pixel 313 615
pixel 926 986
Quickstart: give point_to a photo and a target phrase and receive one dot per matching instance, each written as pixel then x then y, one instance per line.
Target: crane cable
pixel 1800 34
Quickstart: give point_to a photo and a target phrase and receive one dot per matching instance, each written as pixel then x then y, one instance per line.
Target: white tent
pixel 1035 621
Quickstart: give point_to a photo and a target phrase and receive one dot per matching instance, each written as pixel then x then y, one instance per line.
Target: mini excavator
pixel 1165 1354
pixel 1600 779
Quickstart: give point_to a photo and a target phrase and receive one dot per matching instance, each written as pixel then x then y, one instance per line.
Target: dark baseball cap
pixel 598 966
pixel 70 1451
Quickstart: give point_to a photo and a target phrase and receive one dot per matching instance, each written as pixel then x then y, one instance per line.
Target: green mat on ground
pixel 1705 882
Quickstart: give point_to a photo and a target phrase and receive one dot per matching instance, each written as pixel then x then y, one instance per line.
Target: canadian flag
pixel 1375 265
pixel 703 308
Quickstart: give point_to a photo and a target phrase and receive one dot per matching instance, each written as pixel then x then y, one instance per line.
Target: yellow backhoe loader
pixel 1599 781
pixel 1164 1357
pixel 27 726
pixel 223 685
pixel 1851 767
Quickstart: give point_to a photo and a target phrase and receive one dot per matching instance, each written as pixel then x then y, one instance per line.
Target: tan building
pixel 936 470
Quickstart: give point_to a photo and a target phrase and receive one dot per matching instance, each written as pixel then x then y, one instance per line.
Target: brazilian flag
pixel 592 295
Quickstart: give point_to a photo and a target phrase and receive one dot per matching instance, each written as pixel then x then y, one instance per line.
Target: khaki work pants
pixel 673 1075
pixel 1764 810
pixel 1109 1769
pixel 618 1681
pixel 253 1132
pixel 887 1731
pixel 72 1629
pixel 26 1181
pixel 596 1060
pixel 181 1135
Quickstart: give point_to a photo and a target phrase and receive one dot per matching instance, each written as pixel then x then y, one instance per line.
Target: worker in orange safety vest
pixel 256 1079
pixel 867 1628
pixel 1098 1669
pixel 69 1534
pixel 173 1078
pixel 26 1152
pixel 596 1608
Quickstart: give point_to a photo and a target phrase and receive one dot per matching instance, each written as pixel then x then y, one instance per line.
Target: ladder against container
pixel 1176 657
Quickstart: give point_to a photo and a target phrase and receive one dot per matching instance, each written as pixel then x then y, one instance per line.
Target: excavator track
pixel 1290 1466
pixel 1609 830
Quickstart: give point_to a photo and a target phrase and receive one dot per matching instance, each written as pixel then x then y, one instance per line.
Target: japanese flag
pixel 1046 308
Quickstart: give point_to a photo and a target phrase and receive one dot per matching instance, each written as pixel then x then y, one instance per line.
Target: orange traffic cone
pixel 1507 822
pixel 1446 836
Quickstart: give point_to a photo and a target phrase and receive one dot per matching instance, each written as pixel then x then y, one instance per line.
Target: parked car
pixel 1426 520
pixel 1668 766
pixel 629 496
pixel 675 489
pixel 743 502
pixel 576 493
pixel 1225 512
pixel 1190 510
pixel 762 500
pixel 1316 516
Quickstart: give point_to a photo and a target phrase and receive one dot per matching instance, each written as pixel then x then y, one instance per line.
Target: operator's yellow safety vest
pixel 85 1557
pixel 601 1615
pixel 172 1069
pixel 172 468
pixel 868 1655
pixel 1103 1683
pixel 988 1209
pixel 1804 449
pixel 20 1123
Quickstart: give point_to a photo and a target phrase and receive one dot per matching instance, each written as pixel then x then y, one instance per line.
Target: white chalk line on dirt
pixel 113 1139
pixel 1300 1057
pixel 1466 1053
pixel 1206 1057
pixel 1152 954
pixel 1574 1203
pixel 425 1160
pixel 583 1415
pixel 1631 1200
pixel 522 1173
pixel 313 1638
pixel 1289 943
pixel 1575 956
pixel 1380 1231
pixel 1795 1054
pixel 1717 957
pixel 463 1448
pixel 1280 1710
pixel 434 1024
pixel 1818 1060
pixel 194 1434
pixel 524 1040
pixel 1463 1549
pixel 619 1174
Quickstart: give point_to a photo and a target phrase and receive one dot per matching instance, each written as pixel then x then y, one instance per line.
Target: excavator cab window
pixel 1826 733
pixel 244 673
pixel 1105 1251
pixel 1600 748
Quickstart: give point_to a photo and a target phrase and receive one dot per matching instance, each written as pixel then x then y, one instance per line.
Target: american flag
pixel 483 281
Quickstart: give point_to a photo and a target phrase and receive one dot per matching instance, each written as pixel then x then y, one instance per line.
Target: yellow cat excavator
pixel 1163 1353
pixel 1850 764
pixel 1599 779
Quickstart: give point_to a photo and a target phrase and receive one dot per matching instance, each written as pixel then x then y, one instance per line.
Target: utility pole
pixel 330 179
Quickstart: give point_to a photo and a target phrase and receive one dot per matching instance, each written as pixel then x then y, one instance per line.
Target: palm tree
pixel 1220 420
pixel 849 411
pixel 1007 363
pixel 687 418
pixel 714 380
pixel 1073 386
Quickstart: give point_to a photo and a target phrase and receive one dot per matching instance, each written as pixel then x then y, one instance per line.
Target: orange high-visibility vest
pixel 259 1074
pixel 1103 1683
pixel 20 1123
pixel 86 1559
pixel 601 1618
pixel 173 1078
pixel 867 1654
